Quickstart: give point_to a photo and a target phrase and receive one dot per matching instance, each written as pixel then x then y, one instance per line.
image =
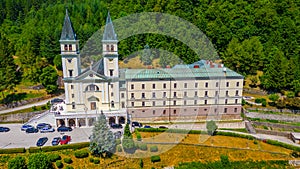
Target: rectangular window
pixel 185 94
pixel 237 84
pixel 227 93
pixel 165 85
pixel 72 86
pixel 196 85
pixel 143 103
pixel 153 86
pixel 122 95
pixel 196 93
pixel 111 86
pixel 132 86
pixel 165 94
pixel 185 85
pixel 235 110
pixel 205 101
pixel 164 112
pixel 216 101
pixel 132 95
pixel 70 73
pixel 175 85
pixel 226 101
pixel 174 111
pixel 236 101
pixel 206 84
pixel 123 105
pixel 217 84
pixel 66 47
pixel 236 92
pixel 112 94
pixel 73 105
pixel 132 104
pixel 225 110
pixel 111 72
pixel 93 105
pixel 153 94
pixel 143 95
pixel 216 93
pixel 72 95
pixel 70 47
pixel 164 103
pixel 195 102
pixel 153 112
pixel 174 102
pixel 153 103
pixel 143 86
pixel 175 94
pixel 184 102
pixel 206 94
pixel 216 110
pixel 227 84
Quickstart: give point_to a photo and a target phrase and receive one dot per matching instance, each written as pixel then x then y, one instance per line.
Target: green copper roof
pixel 109 31
pixel 67 30
pixel 181 73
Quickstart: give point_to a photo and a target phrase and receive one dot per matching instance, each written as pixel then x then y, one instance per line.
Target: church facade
pixel 183 93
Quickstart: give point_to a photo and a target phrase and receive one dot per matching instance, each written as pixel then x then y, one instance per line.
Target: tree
pixel 274 97
pixel 57 62
pixel 49 79
pixel 146 56
pixel 39 161
pixel 18 162
pixel 102 141
pixel 211 127
pixel 127 131
pixel 127 141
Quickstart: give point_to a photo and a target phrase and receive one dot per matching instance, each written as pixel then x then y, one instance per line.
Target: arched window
pixel 112 104
pixel 92 87
pixel 66 47
pixel 107 47
pixel 112 47
pixel 70 47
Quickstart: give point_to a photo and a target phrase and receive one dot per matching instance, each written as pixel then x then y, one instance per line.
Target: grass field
pixel 193 148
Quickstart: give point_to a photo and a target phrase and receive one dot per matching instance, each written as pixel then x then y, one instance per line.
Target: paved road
pixel 30 105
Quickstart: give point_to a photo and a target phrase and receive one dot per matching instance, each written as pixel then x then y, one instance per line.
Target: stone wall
pixel 21 117
pixel 276 133
pixel 275 125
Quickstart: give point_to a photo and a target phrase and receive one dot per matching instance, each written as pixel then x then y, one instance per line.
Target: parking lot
pixel 16 138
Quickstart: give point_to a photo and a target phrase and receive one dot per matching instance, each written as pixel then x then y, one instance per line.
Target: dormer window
pixel 70 47
pixel 66 47
pixel 112 48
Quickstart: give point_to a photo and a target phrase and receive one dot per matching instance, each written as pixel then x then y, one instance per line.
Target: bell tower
pixel 69 46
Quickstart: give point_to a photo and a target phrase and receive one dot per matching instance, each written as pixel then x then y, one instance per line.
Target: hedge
pixel 153 149
pixel 249 137
pixel 284 145
pixel 143 146
pixel 54 157
pixel 74 146
pixel 34 150
pixel 68 160
pixel 12 150
pixel 96 161
pixel 69 167
pixel 59 164
pixel 155 159
pixel 81 154
pixel 171 130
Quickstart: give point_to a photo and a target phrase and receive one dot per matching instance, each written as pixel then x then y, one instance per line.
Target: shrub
pixel 153 149
pixel 155 159
pixel 34 150
pixel 74 146
pixel 96 161
pixel 255 142
pixel 119 148
pixel 128 144
pixel 18 162
pixel 39 160
pixel 264 103
pixel 138 136
pixel 69 167
pixel 68 160
pixel 91 159
pixel 59 164
pixel 141 163
pixel 54 157
pixel 143 146
pixel 12 150
pixel 118 141
pixel 81 154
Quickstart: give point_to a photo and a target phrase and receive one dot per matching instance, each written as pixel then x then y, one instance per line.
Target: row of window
pixel 68 47
pixel 184 102
pixel 185 85
pixel 185 94
pixel 110 48
pixel 175 111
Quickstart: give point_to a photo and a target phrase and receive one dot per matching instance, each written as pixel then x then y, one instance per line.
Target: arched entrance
pixel 92 121
pixel 81 122
pixel 111 120
pixel 60 122
pixel 121 120
pixel 72 122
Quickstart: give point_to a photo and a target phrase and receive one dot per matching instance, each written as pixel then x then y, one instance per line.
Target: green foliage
pixel 274 97
pixel 255 142
pixel 290 94
pixel 128 144
pixel 18 162
pixel 59 164
pixel 154 148
pixel 96 161
pixel 138 136
pixel 68 160
pixel 58 62
pixel 211 127
pixel 69 167
pixel 118 141
pixel 54 157
pixel 49 79
pixel 39 161
pixel 141 163
pixel 284 145
pixel 91 159
pixel 225 161
pixel 143 146
pixel 127 131
pixel 102 139
pixel 119 148
pixel 81 154
pixel 155 159
pixel 12 150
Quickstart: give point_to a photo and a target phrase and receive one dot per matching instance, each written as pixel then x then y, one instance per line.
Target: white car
pixel 47 129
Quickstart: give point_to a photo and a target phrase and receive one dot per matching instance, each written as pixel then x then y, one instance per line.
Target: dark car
pixel 42 125
pixel 41 141
pixel 56 141
pixel 32 130
pixel 65 139
pixel 25 127
pixel 163 127
pixel 4 129
pixel 136 124
pixel 116 126
pixel 147 127
pixel 64 128
pixel 56 100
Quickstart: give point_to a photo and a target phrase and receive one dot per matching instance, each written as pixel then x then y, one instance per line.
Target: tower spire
pixel 109 31
pixel 67 30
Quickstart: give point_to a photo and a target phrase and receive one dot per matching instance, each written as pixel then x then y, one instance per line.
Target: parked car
pixel 56 141
pixel 47 129
pixel 42 125
pixel 147 127
pixel 56 100
pixel 64 128
pixel 32 130
pixel 4 129
pixel 163 127
pixel 65 139
pixel 136 124
pixel 41 141
pixel 25 127
pixel 116 126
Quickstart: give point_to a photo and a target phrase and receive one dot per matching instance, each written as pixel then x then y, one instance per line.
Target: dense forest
pixel 249 35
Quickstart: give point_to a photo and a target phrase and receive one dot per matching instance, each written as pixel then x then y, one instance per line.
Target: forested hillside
pixel 248 35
